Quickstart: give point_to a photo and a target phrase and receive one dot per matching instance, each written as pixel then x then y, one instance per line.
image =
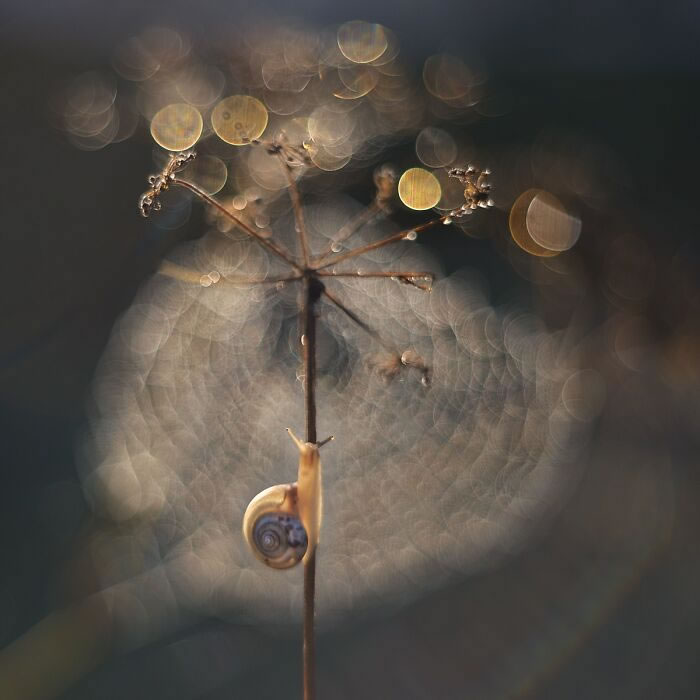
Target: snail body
pixel 282 524
pixel 310 499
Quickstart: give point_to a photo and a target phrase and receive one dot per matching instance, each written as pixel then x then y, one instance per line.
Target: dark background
pixel 597 607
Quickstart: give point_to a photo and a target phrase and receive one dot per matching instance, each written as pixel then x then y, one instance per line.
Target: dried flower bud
pixel 476 189
pixel 385 177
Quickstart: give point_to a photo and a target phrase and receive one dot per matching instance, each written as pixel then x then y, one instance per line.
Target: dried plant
pixel 283 522
pixel 448 414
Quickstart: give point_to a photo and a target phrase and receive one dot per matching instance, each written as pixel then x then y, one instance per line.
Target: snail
pixel 282 524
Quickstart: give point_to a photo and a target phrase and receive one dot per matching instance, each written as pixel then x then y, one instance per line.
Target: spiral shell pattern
pixel 280 539
pixel 272 527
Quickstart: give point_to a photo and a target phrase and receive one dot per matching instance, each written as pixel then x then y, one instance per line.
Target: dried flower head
pixel 149 201
pixel 477 189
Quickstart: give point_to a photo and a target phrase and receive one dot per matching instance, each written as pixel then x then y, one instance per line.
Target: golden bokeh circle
pixel 419 189
pixel 517 223
pixel 239 119
pixel 361 42
pixel 177 127
pixel 550 225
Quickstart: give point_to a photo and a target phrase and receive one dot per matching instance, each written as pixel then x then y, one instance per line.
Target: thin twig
pixel 269 245
pixel 309 650
pixel 356 319
pixel 311 292
pixel 355 224
pixel 322 264
pixel 408 358
pixel 411 278
pixel 187 274
pixel 259 280
pixel 298 208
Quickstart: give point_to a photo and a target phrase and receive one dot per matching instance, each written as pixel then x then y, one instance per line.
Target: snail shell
pixel 273 529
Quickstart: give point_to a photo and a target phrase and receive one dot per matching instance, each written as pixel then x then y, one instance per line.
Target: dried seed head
pixel 477 189
pixel 148 201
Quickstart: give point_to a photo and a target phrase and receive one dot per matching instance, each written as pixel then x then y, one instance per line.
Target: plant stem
pixel 312 291
pixel 322 264
pixel 264 242
pixel 356 319
pixel 356 223
pixel 411 278
pixel 187 274
pixel 298 209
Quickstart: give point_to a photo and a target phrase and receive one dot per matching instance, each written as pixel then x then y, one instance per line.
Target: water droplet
pixel 205 281
pixel 214 276
pixel 336 247
pixel 411 236
pixel 447 221
pixel 303 339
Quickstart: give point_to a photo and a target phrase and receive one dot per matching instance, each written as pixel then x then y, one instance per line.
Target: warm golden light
pixel 357 81
pixel 518 223
pixel 177 127
pixel 362 42
pixel 419 189
pixel 239 119
pixel 550 225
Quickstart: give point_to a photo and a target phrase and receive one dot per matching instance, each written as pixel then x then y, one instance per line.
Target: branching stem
pixel 355 224
pixel 187 274
pixel 415 279
pixel 264 242
pixel 324 263
pixel 356 319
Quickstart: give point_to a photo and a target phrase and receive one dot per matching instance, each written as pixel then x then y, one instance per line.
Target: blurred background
pixel 592 103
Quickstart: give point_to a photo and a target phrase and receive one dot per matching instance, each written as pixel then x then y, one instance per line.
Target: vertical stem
pixel 311 293
pixel 298 210
pixel 309 640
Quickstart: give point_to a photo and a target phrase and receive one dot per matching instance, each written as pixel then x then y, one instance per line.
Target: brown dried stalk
pixel 311 272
